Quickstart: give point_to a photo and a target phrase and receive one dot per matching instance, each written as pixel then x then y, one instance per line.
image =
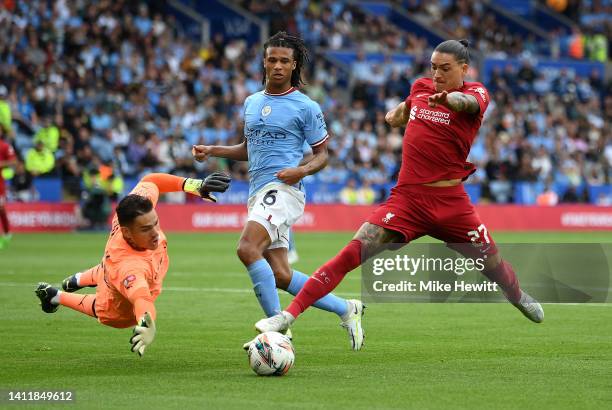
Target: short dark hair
pixel 131 207
pixel 458 48
pixel 300 54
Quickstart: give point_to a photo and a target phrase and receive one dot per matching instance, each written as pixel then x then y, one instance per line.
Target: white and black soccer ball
pixel 271 354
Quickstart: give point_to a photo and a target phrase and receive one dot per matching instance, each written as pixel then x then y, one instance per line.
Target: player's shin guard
pixel 326 278
pixel 81 303
pixel 504 276
pixel 330 303
pixel 264 286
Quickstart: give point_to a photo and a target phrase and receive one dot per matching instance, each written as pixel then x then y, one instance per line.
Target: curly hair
pixel 300 54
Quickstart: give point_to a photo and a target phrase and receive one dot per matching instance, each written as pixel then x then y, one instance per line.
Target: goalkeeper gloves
pixel 215 182
pixel 144 334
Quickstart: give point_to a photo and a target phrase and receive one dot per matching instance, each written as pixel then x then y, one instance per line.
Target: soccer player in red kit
pixel 442 116
pixel 7 159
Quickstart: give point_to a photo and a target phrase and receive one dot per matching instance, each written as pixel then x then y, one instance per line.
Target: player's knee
pixel 248 253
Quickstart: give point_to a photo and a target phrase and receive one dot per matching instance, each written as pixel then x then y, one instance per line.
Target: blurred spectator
pixel 95 204
pixel 48 134
pixel 120 82
pixel 39 160
pixel 570 196
pixel 22 184
pixel 548 197
pixel 5 112
pixel 365 194
pixel 348 194
pixel 604 199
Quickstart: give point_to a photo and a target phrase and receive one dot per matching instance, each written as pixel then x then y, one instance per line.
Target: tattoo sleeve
pixel 461 102
pixel 397 117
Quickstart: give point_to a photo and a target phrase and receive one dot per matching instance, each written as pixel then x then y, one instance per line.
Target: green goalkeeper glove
pixel 215 182
pixel 144 334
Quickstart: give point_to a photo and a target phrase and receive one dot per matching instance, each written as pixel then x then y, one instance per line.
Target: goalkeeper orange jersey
pixel 129 274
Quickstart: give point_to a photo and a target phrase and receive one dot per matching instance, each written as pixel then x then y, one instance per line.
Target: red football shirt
pixel 6 154
pixel 437 140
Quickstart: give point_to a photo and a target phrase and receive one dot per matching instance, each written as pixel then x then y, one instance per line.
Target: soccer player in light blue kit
pixel 277 122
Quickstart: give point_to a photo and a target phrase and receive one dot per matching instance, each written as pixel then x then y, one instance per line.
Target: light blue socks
pixel 264 286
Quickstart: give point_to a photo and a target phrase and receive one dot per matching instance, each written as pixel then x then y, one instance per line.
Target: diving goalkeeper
pixel 135 261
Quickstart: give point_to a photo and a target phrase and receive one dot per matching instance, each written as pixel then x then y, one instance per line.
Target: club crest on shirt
pixel 388 217
pixel 265 111
pixel 413 112
pixel 480 91
pixel 129 281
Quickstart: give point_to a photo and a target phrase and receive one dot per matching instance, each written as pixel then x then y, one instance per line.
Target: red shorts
pixel 443 213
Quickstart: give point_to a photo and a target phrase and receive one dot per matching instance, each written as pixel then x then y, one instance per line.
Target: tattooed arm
pixel 398 117
pixel 456 101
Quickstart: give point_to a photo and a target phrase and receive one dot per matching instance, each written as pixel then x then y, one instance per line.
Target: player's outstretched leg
pixel 48 297
pixel 80 280
pixel 503 274
pixel 51 297
pixel 322 282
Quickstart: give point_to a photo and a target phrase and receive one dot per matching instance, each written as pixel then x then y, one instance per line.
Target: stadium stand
pixel 124 88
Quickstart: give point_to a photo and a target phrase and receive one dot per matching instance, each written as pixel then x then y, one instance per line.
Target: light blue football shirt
pixel 276 128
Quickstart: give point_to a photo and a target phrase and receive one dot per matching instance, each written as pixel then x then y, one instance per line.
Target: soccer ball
pixel 271 354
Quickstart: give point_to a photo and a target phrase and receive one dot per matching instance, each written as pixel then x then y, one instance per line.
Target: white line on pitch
pixel 182 289
pixel 246 290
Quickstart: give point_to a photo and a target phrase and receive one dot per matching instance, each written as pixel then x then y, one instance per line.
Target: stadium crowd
pixel 100 92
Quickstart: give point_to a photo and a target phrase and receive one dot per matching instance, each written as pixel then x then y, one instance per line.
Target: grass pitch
pixel 416 355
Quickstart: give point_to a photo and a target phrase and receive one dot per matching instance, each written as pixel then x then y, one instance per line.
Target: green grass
pixel 416 356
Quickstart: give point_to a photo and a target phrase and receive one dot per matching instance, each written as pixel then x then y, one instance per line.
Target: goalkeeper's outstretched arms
pixel 137 292
pixel 215 182
pixel 144 311
pixel 144 333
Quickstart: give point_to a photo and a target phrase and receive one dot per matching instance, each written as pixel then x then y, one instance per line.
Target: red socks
pixel 505 277
pixel 327 277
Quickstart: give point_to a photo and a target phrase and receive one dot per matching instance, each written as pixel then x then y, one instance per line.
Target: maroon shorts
pixel 443 213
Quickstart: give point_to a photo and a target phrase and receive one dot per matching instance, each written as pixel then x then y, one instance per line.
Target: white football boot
pixel 530 308
pixel 351 321
pixel 278 323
